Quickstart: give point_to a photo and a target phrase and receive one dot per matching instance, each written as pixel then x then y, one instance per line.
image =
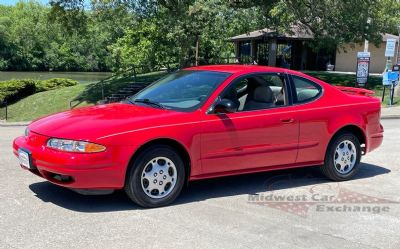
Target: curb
pixel 390 117
pixel 11 124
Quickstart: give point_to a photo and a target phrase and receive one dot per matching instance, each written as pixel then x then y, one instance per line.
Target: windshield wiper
pixel 150 102
pixel 129 101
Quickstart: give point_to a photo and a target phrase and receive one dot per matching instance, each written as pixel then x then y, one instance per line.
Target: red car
pixel 204 122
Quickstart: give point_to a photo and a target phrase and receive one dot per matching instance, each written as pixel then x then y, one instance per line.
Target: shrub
pixel 45 85
pixel 14 90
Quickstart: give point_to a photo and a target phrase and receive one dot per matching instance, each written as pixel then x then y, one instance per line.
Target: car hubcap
pixel 158 177
pixel 345 157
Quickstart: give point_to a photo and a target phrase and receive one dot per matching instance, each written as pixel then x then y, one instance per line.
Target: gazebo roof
pixel 294 33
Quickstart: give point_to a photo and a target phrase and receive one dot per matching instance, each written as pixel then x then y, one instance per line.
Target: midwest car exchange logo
pixel 313 194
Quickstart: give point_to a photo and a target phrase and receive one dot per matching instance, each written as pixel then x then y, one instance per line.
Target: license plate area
pixel 25 158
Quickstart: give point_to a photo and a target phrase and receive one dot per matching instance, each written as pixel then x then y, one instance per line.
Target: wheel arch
pixel 354 129
pixel 182 151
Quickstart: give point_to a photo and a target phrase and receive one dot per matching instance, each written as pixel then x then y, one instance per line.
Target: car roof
pixel 234 68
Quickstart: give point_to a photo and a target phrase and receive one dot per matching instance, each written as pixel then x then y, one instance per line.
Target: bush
pixel 45 85
pixel 14 90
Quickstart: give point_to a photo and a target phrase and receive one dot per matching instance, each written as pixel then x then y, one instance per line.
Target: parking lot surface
pixel 280 209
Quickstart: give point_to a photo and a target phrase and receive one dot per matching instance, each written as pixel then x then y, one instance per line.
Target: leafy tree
pixel 333 22
pixel 103 35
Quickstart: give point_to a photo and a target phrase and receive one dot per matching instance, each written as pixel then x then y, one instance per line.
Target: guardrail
pixel 134 71
pixel 92 87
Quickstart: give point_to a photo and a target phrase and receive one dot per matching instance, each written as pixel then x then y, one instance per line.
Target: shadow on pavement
pixel 198 190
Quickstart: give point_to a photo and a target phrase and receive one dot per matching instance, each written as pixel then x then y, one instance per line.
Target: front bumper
pixel 103 170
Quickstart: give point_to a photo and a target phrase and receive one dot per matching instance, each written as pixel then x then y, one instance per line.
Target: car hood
pixel 90 123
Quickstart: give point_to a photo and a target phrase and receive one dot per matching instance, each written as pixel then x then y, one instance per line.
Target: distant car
pixel 204 122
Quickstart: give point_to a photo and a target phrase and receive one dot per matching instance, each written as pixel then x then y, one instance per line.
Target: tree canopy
pixel 104 35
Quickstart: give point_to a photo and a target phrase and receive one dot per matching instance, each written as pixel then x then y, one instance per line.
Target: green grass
pixel 374 83
pixel 45 103
pixel 93 93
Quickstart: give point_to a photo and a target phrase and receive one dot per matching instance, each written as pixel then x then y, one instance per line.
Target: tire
pixel 342 157
pixel 156 177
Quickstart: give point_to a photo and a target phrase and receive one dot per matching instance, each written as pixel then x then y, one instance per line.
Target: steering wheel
pixel 202 97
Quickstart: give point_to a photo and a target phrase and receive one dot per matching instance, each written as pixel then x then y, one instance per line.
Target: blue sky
pixel 13 2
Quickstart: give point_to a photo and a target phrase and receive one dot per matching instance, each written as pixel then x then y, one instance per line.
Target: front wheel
pixel 342 157
pixel 156 177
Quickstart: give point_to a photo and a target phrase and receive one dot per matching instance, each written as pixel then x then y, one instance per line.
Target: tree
pixel 333 22
pixel 71 14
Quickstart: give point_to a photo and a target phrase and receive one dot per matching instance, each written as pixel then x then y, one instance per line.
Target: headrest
pixel 263 94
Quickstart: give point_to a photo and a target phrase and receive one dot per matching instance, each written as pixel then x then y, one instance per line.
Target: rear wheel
pixel 342 157
pixel 156 177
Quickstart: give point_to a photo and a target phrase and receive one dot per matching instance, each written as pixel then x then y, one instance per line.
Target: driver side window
pixel 257 92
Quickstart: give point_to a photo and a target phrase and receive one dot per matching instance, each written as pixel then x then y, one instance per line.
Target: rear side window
pixel 306 90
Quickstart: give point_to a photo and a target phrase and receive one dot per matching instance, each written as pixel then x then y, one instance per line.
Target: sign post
pixel 363 61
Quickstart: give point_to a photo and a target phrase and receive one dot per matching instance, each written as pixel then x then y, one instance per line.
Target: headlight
pixel 74 146
pixel 26 132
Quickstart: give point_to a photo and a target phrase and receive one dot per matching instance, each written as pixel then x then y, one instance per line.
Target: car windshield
pixel 184 90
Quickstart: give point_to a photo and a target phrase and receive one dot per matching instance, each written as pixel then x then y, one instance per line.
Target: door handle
pixel 287 120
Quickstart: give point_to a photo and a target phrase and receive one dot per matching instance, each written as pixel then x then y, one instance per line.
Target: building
pixel 346 57
pixel 293 50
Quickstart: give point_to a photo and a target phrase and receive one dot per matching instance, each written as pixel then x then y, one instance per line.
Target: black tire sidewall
pixel 133 184
pixel 330 170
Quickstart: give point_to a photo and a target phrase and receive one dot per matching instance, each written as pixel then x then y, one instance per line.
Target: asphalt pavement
pixel 282 209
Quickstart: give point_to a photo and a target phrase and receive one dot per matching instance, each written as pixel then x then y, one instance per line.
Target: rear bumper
pixel 103 170
pixel 375 139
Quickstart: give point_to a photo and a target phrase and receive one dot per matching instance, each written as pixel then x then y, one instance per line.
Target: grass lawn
pixel 374 83
pixel 58 100
pixel 45 103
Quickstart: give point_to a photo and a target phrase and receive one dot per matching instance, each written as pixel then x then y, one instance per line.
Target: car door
pixel 262 135
pixel 313 127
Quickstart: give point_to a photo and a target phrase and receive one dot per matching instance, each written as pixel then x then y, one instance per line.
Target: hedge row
pixel 14 90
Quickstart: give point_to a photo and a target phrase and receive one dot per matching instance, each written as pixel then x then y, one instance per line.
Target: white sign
pixel 363 54
pixel 363 61
pixel 390 47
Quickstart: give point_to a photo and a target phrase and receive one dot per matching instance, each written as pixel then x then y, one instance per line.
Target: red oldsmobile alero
pixel 204 122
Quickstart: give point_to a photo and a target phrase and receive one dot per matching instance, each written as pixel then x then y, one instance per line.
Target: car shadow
pixel 197 191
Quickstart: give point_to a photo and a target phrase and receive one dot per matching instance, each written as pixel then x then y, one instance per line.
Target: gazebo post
pixel 237 54
pixel 272 52
pixel 253 51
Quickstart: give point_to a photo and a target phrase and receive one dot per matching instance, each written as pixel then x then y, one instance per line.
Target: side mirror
pixel 225 106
